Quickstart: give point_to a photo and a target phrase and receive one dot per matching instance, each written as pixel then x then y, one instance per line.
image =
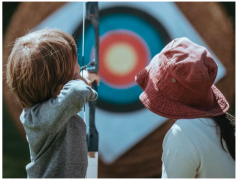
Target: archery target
pixel 129 38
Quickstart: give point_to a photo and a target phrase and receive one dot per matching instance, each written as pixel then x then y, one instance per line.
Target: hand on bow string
pixel 88 77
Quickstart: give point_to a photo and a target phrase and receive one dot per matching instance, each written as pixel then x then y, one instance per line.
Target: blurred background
pixel 131 33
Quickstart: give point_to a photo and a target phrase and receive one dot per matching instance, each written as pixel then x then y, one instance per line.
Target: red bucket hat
pixel 178 82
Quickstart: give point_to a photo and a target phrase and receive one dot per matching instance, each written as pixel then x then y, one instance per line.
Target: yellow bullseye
pixel 120 59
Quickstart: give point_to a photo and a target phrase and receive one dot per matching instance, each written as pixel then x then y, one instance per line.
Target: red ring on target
pixel 119 42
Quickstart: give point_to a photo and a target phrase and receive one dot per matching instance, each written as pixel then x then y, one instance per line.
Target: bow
pixel 92 14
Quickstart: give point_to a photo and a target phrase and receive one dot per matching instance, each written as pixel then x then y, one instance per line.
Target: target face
pixel 129 38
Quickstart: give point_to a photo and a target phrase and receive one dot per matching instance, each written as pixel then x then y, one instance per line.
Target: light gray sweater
pixel 57 135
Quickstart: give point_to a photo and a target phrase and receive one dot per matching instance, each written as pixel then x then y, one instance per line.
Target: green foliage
pixel 16 153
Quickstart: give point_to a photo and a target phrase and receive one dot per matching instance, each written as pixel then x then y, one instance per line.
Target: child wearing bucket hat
pixel 179 84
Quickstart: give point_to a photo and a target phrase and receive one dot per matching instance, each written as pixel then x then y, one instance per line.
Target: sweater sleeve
pixel 43 121
pixel 57 111
pixel 50 116
pixel 179 158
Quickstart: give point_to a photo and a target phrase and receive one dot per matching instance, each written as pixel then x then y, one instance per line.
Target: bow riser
pixel 92 14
